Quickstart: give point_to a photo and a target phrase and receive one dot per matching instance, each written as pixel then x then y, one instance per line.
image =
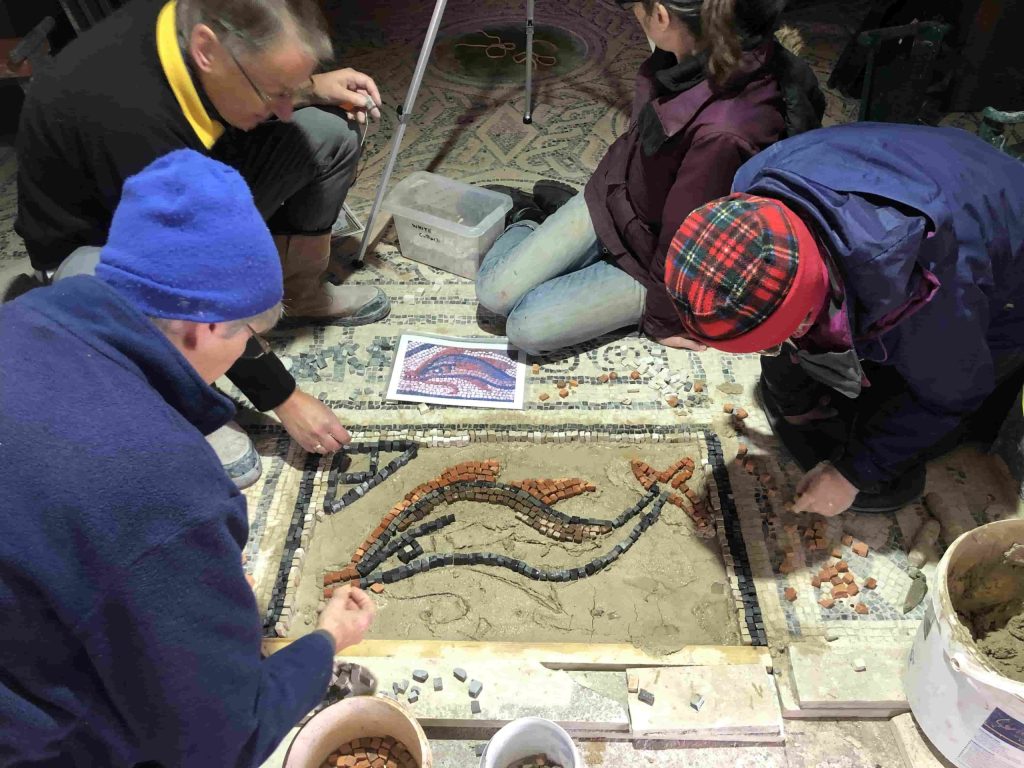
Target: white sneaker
pixel 237 454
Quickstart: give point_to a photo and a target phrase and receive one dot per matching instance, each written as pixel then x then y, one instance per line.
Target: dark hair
pixel 256 24
pixel 723 27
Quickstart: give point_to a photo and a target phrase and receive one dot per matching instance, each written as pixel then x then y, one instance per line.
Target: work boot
pixel 237 454
pixel 550 195
pixel 308 293
pixel 894 495
pixel 524 208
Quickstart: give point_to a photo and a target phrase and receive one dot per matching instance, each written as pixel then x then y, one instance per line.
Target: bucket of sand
pixel 356 726
pixel 531 737
pixel 965 680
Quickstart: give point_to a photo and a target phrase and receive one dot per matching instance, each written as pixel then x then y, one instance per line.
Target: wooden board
pixel 600 656
pixel 792 710
pixel 825 678
pixel 584 703
pixel 740 704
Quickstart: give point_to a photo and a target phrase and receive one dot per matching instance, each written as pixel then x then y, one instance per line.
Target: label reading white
pixel 999 743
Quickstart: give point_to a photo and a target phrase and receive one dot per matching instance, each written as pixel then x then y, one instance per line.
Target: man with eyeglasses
pixel 231 79
pixel 879 269
pixel 130 634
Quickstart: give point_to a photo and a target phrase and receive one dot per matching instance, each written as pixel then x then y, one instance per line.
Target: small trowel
pixel 915 594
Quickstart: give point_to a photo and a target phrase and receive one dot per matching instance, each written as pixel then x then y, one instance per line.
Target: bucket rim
pixel 535 720
pixel 417 728
pixel 961 647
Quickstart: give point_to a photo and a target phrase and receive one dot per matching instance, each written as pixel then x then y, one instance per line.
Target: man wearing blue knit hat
pixel 134 636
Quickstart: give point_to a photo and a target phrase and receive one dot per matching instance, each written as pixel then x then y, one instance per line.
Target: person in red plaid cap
pixel 879 271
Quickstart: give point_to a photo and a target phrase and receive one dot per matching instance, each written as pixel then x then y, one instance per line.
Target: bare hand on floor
pixel 312 424
pixel 825 491
pixel 347 617
pixel 682 342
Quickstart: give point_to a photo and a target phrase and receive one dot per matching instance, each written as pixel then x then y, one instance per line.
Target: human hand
pixel 820 412
pixel 348 89
pixel 347 616
pixel 824 491
pixel 312 424
pixel 682 342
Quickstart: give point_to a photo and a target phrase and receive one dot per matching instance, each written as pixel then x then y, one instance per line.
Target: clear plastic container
pixel 446 223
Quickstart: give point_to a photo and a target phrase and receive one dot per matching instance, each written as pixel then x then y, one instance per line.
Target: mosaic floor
pixel 468 126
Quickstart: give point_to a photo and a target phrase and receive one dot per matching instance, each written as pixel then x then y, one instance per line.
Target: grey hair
pixel 253 26
pixel 266 319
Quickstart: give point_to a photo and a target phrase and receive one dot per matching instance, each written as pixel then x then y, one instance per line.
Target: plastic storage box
pixel 446 223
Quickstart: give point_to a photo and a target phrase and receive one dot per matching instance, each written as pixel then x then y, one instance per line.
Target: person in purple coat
pixel 879 270
pixel 717 89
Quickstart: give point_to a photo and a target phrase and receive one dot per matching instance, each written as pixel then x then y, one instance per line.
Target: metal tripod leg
pixel 404 115
pixel 528 114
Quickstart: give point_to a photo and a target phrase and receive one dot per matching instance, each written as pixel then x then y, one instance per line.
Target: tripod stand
pixel 405 111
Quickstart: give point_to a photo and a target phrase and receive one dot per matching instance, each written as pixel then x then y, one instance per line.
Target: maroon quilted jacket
pixel 685 142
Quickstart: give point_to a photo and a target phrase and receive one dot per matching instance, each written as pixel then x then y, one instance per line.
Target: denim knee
pixel 491 296
pixel 497 288
pixel 533 335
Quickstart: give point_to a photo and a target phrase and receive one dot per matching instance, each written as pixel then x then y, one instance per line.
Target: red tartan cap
pixel 745 272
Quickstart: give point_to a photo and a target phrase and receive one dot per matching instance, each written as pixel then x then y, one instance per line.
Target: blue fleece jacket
pixel 926 227
pixel 129 631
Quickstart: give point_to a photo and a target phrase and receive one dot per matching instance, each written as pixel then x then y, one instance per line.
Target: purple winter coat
pixel 685 142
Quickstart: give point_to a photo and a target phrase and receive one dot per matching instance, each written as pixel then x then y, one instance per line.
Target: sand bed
pixel 669 590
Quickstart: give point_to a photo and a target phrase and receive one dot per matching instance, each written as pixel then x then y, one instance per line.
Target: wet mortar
pixel 668 591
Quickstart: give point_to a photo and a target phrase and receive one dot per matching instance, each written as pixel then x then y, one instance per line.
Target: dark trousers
pixel 793 392
pixel 299 173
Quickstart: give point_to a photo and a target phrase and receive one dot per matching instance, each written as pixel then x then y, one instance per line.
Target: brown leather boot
pixel 307 293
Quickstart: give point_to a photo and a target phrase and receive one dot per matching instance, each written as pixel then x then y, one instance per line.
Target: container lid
pixel 434 199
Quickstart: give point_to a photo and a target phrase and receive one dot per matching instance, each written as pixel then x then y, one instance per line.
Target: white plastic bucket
pixel 356 718
pixel 971 713
pixel 530 736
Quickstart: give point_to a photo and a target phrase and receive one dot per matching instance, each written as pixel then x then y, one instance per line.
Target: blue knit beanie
pixel 187 243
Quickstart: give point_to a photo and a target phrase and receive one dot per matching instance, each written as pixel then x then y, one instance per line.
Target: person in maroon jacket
pixel 717 89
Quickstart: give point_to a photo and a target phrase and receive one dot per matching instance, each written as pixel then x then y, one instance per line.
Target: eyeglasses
pixel 264 97
pixel 263 344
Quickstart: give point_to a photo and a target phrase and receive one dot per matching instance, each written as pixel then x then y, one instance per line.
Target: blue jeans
pixel 552 285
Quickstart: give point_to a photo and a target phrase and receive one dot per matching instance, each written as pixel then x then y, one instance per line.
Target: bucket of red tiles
pixel 963 680
pixel 531 737
pixel 370 722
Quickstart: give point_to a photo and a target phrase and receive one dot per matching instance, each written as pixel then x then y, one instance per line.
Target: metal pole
pixel 404 115
pixel 528 115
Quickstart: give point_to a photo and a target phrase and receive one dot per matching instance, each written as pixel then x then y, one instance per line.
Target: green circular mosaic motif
pixel 497 54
